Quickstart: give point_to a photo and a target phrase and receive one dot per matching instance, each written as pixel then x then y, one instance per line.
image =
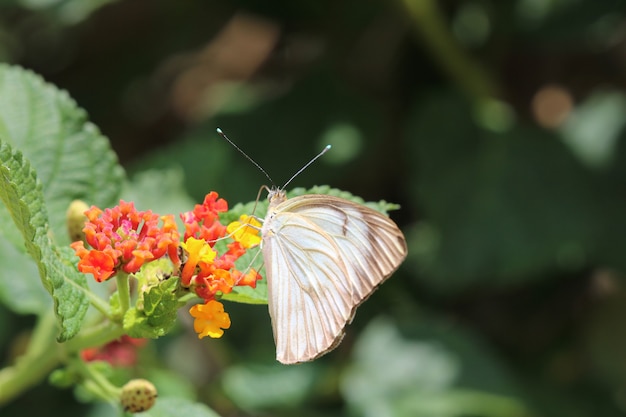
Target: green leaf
pixel 493 202
pixel 252 209
pixel 246 294
pixel 170 382
pixel 249 295
pixel 381 206
pixel 158 315
pixel 22 195
pixel 174 407
pixel 261 206
pixel 156 301
pixel 434 373
pixel 64 377
pixel 72 158
pixel 255 387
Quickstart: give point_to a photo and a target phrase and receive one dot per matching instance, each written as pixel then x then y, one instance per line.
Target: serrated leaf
pixel 150 275
pixel 158 315
pixel 136 325
pixel 72 158
pixel 159 298
pixel 21 193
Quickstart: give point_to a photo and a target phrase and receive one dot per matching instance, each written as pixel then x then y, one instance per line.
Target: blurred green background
pixel 498 125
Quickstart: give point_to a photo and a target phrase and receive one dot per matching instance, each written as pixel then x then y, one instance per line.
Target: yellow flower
pixel 210 319
pixel 198 251
pixel 245 231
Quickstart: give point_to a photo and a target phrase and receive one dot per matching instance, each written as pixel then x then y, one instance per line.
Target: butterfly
pixel 323 257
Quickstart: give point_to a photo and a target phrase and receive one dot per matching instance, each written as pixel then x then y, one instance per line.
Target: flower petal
pixel 210 319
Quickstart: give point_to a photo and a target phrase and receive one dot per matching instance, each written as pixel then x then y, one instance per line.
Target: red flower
pixel 121 352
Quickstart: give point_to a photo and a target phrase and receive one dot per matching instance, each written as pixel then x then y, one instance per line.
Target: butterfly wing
pixel 323 256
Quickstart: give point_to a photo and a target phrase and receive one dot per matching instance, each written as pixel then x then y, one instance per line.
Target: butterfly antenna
pixel 326 149
pixel 222 134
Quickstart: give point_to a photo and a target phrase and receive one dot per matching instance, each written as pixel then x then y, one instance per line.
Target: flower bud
pixel 75 217
pixel 138 395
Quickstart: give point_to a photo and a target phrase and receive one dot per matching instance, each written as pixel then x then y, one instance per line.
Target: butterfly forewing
pixel 323 256
pixel 307 304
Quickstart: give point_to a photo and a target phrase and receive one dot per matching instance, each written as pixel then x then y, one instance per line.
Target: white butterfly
pixel 323 257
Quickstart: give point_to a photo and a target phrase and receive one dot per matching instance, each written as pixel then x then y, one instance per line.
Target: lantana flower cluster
pixel 124 239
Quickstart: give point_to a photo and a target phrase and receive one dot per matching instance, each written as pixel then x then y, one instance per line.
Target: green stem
pixel 101 386
pixel 123 291
pixel 44 354
pixel 433 31
pixel 40 359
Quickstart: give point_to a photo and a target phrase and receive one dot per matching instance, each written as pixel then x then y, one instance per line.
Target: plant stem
pixel 102 387
pixel 123 291
pixel 38 361
pixel 44 354
pixel 431 28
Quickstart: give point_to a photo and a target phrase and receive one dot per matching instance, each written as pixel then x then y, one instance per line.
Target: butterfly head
pixel 276 196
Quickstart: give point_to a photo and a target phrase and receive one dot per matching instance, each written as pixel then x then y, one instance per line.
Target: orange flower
pixel 98 263
pixel 210 319
pixel 249 279
pixel 203 222
pixel 207 286
pixel 208 275
pixel 124 238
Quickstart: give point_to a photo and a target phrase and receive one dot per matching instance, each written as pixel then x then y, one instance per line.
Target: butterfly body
pixel 323 256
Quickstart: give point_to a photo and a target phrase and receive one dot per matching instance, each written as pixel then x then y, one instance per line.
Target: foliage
pixel 497 127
